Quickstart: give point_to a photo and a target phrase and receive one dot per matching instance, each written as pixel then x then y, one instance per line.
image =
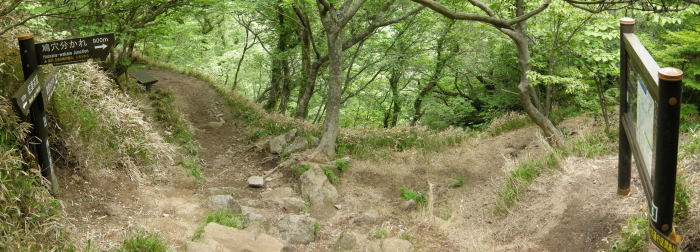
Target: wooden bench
pixel 143 78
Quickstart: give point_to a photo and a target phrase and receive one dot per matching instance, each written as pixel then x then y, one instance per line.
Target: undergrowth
pixel 223 218
pixel 361 143
pixel 633 236
pixel 417 196
pixel 177 131
pixel 144 241
pixel 30 218
pixel 518 180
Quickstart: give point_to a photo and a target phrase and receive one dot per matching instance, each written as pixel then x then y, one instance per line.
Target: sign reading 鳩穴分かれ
pixel 74 50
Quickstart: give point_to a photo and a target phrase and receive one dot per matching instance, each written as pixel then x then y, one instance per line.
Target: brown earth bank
pixel 573 208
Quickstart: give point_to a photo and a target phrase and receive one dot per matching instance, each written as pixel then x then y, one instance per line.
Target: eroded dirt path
pixel 573 208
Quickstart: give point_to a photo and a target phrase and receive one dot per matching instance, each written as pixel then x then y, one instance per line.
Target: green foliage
pixel 379 234
pixel 299 169
pixel 633 236
pixel 223 218
pixel 460 181
pixel 681 207
pixel 342 165
pixel 409 194
pixel 508 123
pixel 331 175
pixel 518 179
pixel 407 236
pixel 317 228
pixel 28 212
pixel 144 241
pixel 594 144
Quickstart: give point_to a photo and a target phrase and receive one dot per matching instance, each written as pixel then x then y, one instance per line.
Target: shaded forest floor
pixel 570 208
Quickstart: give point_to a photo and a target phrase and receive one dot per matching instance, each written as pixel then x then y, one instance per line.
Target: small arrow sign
pixel 25 95
pixel 75 50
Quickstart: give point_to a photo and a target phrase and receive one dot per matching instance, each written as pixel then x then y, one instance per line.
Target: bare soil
pixel 573 208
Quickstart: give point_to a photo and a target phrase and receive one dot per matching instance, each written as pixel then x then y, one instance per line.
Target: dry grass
pixel 103 128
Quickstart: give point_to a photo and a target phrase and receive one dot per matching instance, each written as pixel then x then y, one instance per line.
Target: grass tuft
pixel 224 218
pixel 144 241
pixel 409 194
pixel 633 236
pixel 521 177
pixel 167 116
pixel 331 175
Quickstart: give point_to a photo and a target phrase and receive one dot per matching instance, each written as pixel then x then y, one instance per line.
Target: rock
pixel 408 205
pixel 297 229
pixel 278 143
pixel 299 144
pixel 339 207
pixel 320 192
pixel 252 214
pixel 390 245
pixel 223 190
pixel 369 217
pixel 347 241
pixel 289 203
pixel 280 192
pixel 256 181
pixel 217 237
pixel 224 202
pixel 314 141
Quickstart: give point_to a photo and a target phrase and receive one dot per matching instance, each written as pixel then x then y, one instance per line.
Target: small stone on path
pixel 256 181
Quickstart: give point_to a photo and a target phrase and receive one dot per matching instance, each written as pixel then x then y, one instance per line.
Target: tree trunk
pixel 395 96
pixel 335 72
pixel 307 91
pixel 554 136
pixel 435 77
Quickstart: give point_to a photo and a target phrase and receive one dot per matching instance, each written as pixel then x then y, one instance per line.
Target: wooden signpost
pixel 33 96
pixel 650 101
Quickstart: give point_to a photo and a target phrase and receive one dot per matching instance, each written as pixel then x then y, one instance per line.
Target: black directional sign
pixel 75 50
pixel 47 89
pixel 25 95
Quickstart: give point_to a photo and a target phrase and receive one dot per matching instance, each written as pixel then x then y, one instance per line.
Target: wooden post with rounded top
pixel 624 165
pixel 666 143
pixel 37 114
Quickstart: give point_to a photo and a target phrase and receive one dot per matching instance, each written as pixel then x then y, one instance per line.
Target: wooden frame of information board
pixel 650 101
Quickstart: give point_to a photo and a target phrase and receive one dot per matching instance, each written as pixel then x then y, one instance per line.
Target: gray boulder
pixel 289 203
pixel 297 229
pixel 319 191
pixel 256 181
pixel 278 143
pixel 391 245
pixel 252 214
pixel 299 144
pixel 222 238
pixel 224 203
pixel 369 217
pixel 347 241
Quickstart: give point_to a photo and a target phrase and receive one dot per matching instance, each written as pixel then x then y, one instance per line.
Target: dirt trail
pixel 572 209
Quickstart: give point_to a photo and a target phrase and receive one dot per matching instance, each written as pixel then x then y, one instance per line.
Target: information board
pixel 645 125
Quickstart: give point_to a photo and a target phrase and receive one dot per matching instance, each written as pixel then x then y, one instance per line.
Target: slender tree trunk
pixel 554 136
pixel 307 91
pixel 435 77
pixel 285 88
pixel 395 99
pixel 240 60
pixel 335 73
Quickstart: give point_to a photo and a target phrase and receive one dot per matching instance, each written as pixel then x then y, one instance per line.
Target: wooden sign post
pixel 650 101
pixel 33 96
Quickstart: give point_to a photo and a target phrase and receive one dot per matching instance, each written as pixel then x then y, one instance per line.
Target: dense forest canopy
pixel 366 63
